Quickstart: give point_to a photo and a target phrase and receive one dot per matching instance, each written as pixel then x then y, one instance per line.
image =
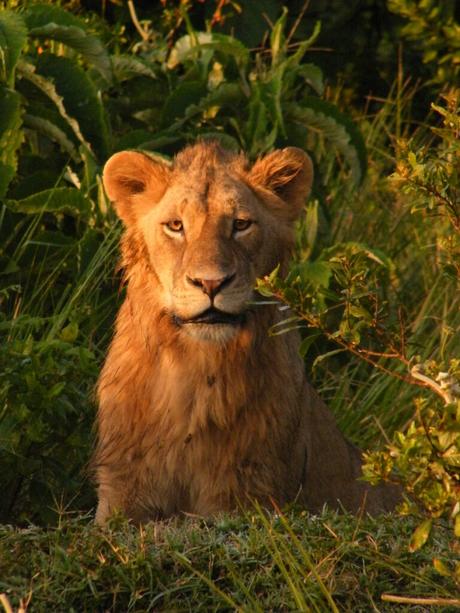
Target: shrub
pixel 45 426
pixel 347 294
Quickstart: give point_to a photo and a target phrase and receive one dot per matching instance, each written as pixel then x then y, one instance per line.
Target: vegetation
pixel 253 563
pixel 373 286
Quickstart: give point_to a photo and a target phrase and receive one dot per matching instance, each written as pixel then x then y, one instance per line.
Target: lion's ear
pixel 128 174
pixel 288 173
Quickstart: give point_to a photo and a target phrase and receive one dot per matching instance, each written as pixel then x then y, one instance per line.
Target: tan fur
pixel 199 418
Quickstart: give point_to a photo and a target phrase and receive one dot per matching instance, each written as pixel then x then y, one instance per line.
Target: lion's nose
pixel 211 287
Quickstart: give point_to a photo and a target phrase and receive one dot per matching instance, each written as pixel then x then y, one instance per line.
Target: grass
pixel 252 562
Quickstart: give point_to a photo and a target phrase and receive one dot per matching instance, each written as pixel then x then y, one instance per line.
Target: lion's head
pixel 208 225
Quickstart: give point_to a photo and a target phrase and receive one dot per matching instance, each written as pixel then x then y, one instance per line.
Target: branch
pixel 445 393
pixel 454 602
pixel 132 11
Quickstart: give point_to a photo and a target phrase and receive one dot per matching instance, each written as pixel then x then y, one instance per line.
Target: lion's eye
pixel 241 224
pixel 175 225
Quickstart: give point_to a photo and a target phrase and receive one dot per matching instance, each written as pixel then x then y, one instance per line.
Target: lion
pixel 200 410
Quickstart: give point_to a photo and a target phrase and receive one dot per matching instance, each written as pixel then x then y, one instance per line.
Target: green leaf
pixel 355 248
pixel 311 223
pixel 11 135
pixel 13 37
pixel 420 535
pixel 277 38
pixel 281 327
pixel 336 128
pixel 441 568
pixel 52 131
pixel 271 94
pixel 225 94
pixel 297 57
pixel 80 99
pixel 325 356
pixel 53 22
pixel 360 312
pixel 307 342
pixel 177 103
pixel 313 76
pixel 259 139
pixel 45 85
pixel 273 276
pixel 58 200
pixel 188 47
pixel 127 67
pixel 318 273
pixel 69 334
pixel 227 141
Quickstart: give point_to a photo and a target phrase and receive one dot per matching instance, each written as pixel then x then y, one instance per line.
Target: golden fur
pixel 196 416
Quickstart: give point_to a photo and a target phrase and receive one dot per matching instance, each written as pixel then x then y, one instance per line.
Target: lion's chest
pixel 209 453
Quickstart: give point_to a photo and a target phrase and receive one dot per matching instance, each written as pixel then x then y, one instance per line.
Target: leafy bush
pixel 45 425
pixel 349 295
pixel 433 28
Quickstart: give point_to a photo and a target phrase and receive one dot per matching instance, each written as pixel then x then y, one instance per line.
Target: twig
pixel 132 11
pixel 422 601
pixel 444 393
pixel 6 603
pixel 298 20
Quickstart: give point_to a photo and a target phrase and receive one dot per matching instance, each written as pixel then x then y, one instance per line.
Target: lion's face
pixel 210 227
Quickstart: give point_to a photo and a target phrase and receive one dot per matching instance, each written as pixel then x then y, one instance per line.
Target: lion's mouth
pixel 213 316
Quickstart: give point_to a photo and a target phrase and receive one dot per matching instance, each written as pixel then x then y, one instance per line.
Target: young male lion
pixel 200 410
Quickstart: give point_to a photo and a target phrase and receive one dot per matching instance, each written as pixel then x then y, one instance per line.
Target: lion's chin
pixel 217 333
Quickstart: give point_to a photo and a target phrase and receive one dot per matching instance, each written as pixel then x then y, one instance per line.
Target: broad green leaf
pixel 129 66
pixel 227 141
pixel 420 535
pixel 132 140
pixel 191 46
pixel 47 21
pixel 58 200
pixel 80 99
pixel 29 72
pixel 271 94
pixel 188 46
pixel 258 136
pixel 227 45
pixel 180 99
pixel 318 273
pixel 11 135
pixel 52 131
pixel 336 128
pixel 13 37
pixel 312 75
pixel 225 94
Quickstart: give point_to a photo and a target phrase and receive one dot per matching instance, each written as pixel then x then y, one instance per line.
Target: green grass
pixel 254 562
